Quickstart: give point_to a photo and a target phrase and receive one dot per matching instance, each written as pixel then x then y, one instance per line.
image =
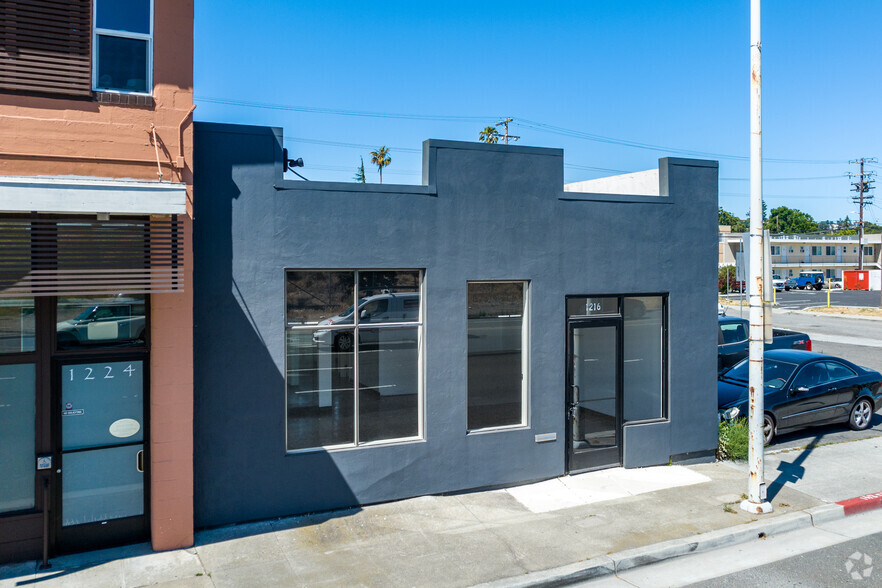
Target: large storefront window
pixel 496 354
pixel 352 346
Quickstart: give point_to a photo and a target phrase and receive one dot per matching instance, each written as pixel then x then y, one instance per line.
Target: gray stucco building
pixel 357 343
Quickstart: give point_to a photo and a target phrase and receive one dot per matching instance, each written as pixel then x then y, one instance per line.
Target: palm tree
pixel 381 159
pixel 489 135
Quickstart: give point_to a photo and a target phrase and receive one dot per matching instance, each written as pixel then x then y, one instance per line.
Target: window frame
pixel 123 35
pixel 419 323
pixel 525 361
pixel 665 352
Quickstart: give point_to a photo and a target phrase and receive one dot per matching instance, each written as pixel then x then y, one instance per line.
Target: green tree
pixel 727 218
pixel 359 173
pixel 381 159
pixel 727 271
pixel 489 135
pixel 790 220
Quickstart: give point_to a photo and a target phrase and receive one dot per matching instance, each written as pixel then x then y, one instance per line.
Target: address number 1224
pixel 108 372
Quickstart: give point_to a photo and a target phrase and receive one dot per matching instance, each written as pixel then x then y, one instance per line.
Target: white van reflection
pixel 120 322
pixel 388 307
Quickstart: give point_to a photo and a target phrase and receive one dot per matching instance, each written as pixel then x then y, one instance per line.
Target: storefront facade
pixel 362 343
pixel 95 276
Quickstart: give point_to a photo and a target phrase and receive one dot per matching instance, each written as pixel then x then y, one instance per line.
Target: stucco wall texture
pixel 55 136
pixel 485 212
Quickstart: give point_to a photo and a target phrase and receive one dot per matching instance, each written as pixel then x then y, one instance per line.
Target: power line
pixel 337 111
pixel 542 127
pixel 610 140
pixel 349 145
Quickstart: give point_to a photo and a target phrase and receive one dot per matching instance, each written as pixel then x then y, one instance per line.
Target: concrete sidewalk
pixel 564 529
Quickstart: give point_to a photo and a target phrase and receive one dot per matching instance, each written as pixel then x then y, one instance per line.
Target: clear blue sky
pixel 663 77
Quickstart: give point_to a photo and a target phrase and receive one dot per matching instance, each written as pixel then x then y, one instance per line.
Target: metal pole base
pixel 756 508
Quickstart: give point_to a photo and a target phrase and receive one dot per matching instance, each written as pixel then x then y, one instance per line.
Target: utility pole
pixel 756 502
pixel 862 187
pixel 506 136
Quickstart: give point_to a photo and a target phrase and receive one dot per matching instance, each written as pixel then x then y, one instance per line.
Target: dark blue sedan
pixel 802 389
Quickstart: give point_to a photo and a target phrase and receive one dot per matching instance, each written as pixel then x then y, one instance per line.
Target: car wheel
pixel 343 342
pixel 861 414
pixel 818 286
pixel 768 429
pixel 787 288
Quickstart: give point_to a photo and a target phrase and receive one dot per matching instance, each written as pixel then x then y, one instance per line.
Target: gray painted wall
pixel 485 212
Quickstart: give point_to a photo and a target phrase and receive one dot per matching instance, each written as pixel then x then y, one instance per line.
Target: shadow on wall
pixel 242 471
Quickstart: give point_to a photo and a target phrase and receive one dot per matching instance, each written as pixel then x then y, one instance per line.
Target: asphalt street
pixel 800 299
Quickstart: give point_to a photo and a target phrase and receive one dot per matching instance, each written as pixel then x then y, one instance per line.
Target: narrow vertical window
pixel 644 358
pixel 496 354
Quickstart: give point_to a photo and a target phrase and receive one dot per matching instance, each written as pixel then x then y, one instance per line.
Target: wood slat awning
pixel 64 257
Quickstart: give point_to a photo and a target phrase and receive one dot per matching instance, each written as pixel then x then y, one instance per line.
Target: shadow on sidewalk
pixel 793 471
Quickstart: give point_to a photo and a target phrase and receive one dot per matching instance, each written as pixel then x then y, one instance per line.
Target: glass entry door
pixel 594 407
pixel 102 452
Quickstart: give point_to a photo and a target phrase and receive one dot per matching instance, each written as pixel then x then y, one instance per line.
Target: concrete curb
pixel 650 554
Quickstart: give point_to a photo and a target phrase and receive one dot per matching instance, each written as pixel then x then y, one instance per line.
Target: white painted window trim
pixel 125 35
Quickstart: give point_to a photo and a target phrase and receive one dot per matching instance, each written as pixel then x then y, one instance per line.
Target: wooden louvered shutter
pixel 66 257
pixel 45 46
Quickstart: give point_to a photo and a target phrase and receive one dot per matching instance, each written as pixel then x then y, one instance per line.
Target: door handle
pixel 139 461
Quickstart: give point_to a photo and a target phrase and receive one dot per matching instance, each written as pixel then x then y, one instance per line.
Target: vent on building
pixel 45 46
pixel 64 257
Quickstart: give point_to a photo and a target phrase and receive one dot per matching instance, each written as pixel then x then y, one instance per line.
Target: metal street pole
pixel 756 487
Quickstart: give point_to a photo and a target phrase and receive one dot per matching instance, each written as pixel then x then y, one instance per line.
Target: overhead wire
pixel 539 126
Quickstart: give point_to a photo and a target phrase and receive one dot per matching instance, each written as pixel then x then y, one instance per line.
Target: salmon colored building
pixel 96 321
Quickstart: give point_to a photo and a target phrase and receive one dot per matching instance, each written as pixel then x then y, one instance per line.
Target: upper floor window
pixel 122 42
pixel 868 250
pixel 830 250
pixel 775 249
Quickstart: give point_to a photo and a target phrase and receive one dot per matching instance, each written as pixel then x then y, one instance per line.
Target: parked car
pixel 836 283
pixel 120 322
pixel 790 284
pixel 778 282
pixel 808 280
pixel 389 307
pixel 803 389
pixel 733 341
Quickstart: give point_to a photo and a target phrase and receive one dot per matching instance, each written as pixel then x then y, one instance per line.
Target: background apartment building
pixel 96 373
pixel 792 254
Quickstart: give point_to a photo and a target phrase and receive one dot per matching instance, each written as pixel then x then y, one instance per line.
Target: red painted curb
pixel 861 503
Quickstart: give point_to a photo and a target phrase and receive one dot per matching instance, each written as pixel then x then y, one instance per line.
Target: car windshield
pixel 86 313
pixel 775 373
pixel 349 310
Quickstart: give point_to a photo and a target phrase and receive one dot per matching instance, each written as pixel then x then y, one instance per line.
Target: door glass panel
pixel 102 404
pixel 102 484
pixel 17 389
pixel 101 321
pixel 595 374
